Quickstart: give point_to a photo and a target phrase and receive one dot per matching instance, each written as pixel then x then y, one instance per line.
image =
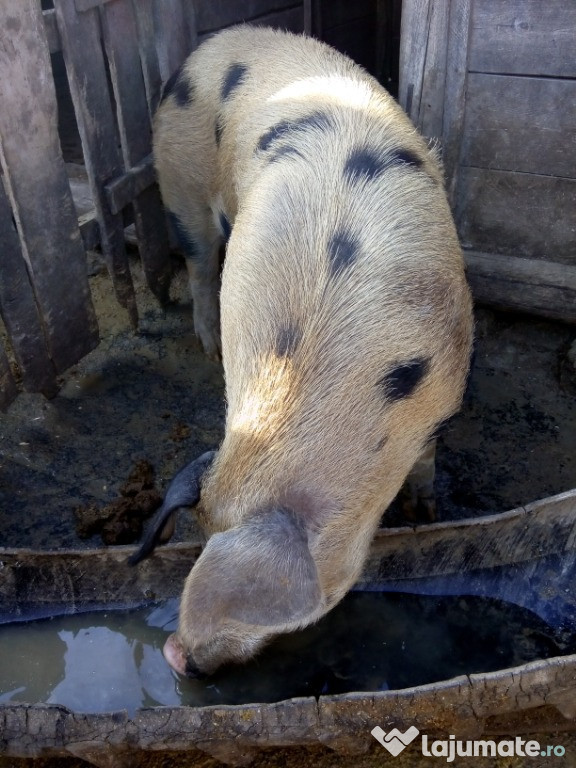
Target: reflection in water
pixel 113 660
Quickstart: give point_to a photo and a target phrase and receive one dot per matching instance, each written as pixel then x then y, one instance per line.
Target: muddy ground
pixel 153 397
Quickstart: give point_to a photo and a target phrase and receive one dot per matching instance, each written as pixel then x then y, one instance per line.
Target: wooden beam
pixel 125 188
pixel 526 285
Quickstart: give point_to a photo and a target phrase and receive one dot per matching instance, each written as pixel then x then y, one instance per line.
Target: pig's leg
pixel 417 496
pixel 200 241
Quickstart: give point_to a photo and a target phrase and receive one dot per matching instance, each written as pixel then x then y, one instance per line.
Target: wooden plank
pixel 52 33
pixel 517 213
pixel 19 310
pixel 455 92
pixel 37 186
pixel 525 285
pixel 80 34
pixel 125 188
pixel 176 35
pixel 521 124
pixel 144 10
pixel 528 37
pixel 216 14
pixel 423 54
pixel 119 30
pixel 8 389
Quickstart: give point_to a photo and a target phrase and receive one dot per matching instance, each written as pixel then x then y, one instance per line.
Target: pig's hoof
pixel 419 509
pixel 211 342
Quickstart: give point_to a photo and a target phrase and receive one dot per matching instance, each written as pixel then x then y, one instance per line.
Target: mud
pixel 121 521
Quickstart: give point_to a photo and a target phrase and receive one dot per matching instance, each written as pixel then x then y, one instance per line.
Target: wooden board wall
pixel 495 83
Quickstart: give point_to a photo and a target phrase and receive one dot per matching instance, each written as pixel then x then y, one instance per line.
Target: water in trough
pixel 111 660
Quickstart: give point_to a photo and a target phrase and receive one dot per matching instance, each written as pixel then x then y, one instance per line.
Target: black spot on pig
pixel 234 77
pixel 405 157
pixel 343 249
pixel 287 340
pixel 365 163
pixel 403 379
pixel 183 237
pixel 225 226
pixel 180 87
pixel 319 121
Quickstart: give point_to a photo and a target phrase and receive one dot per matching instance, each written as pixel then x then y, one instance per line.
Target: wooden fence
pixel 117 54
pixel 495 84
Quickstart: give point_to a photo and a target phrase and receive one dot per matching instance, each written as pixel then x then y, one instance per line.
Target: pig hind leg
pixel 199 239
pixel 417 497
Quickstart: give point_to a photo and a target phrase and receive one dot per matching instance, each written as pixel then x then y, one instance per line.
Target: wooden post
pixel 19 310
pixel 176 34
pixel 120 33
pixel 423 63
pixel 86 69
pixel 455 91
pixel 37 186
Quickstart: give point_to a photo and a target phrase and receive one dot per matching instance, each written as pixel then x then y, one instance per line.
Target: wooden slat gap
pixel 522 75
pixel 516 172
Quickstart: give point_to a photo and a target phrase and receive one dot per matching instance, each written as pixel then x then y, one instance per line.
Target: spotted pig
pixel 344 326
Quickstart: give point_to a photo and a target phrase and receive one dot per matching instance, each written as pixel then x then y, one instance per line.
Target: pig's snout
pixel 175 655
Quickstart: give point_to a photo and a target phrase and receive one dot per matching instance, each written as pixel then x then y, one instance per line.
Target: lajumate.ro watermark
pixel 395 742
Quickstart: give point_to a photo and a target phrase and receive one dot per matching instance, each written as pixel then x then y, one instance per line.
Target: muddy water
pixel 113 660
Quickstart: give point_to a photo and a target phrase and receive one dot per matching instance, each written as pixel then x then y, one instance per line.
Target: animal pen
pixel 493 85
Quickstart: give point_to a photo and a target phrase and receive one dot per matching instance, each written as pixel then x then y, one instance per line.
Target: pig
pixel 344 323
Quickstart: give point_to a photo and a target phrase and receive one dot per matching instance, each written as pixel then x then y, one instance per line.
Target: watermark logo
pixel 394 741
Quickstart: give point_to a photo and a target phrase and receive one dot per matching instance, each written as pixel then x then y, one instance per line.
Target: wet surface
pixel 113 660
pixel 154 396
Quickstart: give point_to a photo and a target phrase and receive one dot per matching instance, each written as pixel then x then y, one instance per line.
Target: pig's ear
pixel 183 491
pixel 260 573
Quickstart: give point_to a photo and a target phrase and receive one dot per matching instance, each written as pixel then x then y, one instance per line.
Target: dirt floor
pixel 320 757
pixel 154 397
